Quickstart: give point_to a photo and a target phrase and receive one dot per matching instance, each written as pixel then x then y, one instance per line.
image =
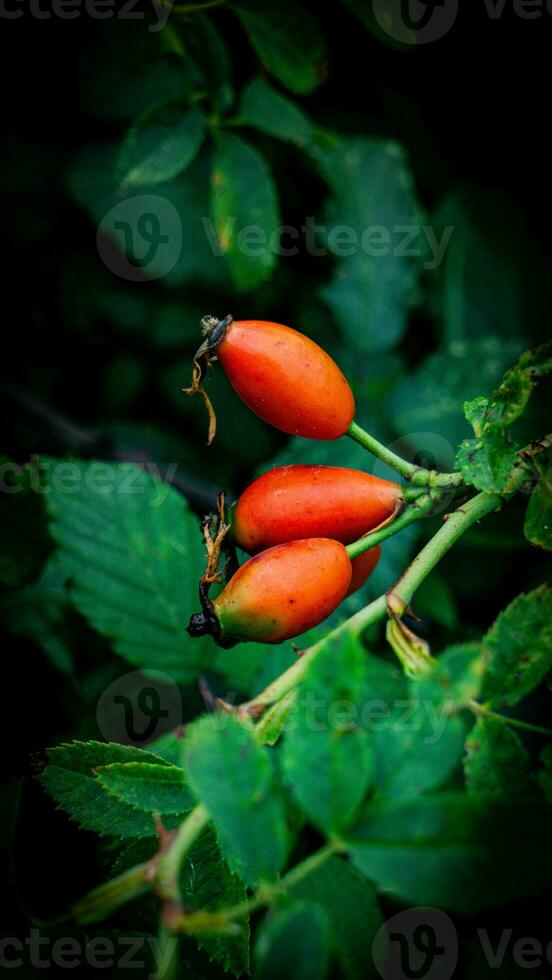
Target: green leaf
pixel 181 207
pixel 545 775
pixel 456 678
pixel 129 71
pixel 374 284
pixel 155 788
pixel 206 882
pixel 232 775
pixel 496 763
pixel 160 146
pixel 39 612
pixel 287 40
pixel 509 401
pixel 538 516
pixel 133 552
pixel 518 648
pixel 212 55
pixel 453 851
pixel 327 755
pixel 169 747
pixel 244 208
pixel 293 943
pixel 70 779
pixel 272 113
pixel 486 463
pixel 428 399
pixel 417 747
pixel 352 909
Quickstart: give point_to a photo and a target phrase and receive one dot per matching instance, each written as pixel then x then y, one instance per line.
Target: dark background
pixel 473 114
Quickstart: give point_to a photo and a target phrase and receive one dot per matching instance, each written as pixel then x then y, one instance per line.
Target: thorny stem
pixel 418 475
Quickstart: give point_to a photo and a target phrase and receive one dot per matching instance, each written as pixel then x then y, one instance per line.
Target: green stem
pixel 378 449
pixel 204 921
pixel 169 865
pixel 417 510
pixel 400 595
pixel 525 726
pixel 456 524
pixel 417 475
pixel 106 898
pixel 290 678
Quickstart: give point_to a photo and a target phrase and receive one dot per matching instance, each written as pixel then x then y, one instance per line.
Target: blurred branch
pixel 70 436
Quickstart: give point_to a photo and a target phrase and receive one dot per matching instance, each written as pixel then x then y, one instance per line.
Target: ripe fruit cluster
pixel 294 520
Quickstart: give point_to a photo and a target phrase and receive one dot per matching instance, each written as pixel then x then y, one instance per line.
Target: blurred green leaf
pixel 244 206
pixel 417 747
pixel 129 71
pixel 453 851
pixel 352 910
pixel 327 756
pixel 272 113
pixel 518 648
pixel 456 678
pixel 134 555
pixel 39 611
pixel 70 779
pixel 287 39
pixel 496 763
pixel 181 206
pixel 427 400
pixel 160 146
pixel 206 882
pixel 209 50
pixel 232 775
pixel 152 787
pixel 373 208
pixel 435 599
pixel 295 943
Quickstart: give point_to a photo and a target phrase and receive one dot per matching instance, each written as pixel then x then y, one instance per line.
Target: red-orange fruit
pixel 286 379
pixel 293 502
pixel 363 566
pixel 280 593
